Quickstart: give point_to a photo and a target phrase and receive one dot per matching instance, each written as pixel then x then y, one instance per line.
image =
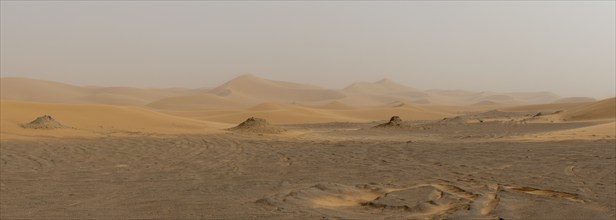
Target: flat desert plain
pixel 255 148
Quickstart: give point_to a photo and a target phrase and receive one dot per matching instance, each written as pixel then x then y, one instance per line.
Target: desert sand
pixel 255 148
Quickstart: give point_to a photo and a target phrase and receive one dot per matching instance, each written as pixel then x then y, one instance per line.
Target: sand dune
pixel 381 113
pixel 593 132
pixel 24 89
pixel 462 97
pixel 575 100
pixel 277 114
pixel 95 120
pixel 382 92
pixel 251 88
pixel 603 109
pixel 336 105
pixel 498 98
pixel 321 156
pixel 552 107
pixel 145 164
pixel 486 102
pixel 534 97
pixel 269 106
pixel 196 102
pixel 457 97
pixel 38 90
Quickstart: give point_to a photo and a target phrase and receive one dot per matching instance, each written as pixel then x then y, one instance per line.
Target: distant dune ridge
pixel 249 90
pixel 95 110
pixel 575 100
pixel 24 89
pixel 254 89
pixel 382 92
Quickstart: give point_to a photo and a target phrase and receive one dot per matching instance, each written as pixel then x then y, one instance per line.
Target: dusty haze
pixel 562 47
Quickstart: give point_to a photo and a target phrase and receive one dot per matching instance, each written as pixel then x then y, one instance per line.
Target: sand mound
pixel 394 122
pixel 257 125
pixel 456 119
pixel 44 122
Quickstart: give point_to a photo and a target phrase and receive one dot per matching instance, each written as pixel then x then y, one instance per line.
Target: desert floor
pixel 305 152
pixel 330 170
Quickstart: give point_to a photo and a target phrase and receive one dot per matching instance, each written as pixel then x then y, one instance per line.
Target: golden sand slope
pixel 95 120
pixel 594 132
pixel 551 107
pixel 602 109
pixel 196 102
pixel 24 89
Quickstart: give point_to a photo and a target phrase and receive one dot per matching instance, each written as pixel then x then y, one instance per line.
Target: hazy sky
pixel 565 47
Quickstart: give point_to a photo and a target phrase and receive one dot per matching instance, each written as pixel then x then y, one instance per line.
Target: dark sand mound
pixel 44 122
pixel 257 125
pixel 457 119
pixel 394 122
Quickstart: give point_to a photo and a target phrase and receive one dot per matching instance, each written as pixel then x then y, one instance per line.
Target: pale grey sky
pixel 566 47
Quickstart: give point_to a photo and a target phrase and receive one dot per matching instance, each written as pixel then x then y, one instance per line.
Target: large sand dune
pixel 603 109
pixel 252 88
pixel 24 89
pixel 382 92
pixel 249 90
pixel 196 102
pixel 95 120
